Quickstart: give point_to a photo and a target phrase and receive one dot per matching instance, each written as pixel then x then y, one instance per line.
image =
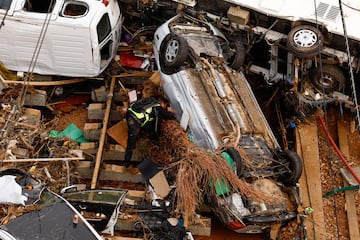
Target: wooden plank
pixel 100 95
pixel 92 131
pixel 349 195
pixel 37 98
pixel 22 160
pixel 96 111
pixel 103 134
pixel 310 181
pixel 304 190
pixel 136 193
pixel 46 83
pixel 109 172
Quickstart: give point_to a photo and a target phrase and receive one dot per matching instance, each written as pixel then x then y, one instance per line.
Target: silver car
pixel 217 107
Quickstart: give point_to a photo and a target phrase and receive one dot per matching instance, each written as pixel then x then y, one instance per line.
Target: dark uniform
pixel 143 114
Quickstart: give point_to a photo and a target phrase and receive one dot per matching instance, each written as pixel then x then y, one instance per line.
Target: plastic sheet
pixel 11 191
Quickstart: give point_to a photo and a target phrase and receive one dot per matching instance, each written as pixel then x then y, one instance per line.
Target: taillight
pixel 105 2
pixel 234 225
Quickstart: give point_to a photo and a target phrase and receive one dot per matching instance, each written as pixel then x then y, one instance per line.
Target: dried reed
pixel 197 170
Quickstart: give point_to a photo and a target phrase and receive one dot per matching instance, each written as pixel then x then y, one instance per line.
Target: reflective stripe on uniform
pixel 137 115
pixel 145 114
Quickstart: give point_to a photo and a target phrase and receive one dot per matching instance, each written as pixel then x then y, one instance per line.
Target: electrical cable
pixel 36 54
pixel 350 68
pixel 3 19
pixel 351 7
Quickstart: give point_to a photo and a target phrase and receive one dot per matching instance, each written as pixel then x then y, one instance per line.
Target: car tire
pixel 239 164
pixel 294 168
pixel 332 78
pixel 238 58
pixel 305 41
pixel 173 51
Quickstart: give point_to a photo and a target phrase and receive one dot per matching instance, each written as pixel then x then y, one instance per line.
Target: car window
pixel 5 4
pixel 75 9
pixel 103 28
pixel 43 6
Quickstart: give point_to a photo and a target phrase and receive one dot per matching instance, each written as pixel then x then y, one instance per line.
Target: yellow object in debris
pixel 32 169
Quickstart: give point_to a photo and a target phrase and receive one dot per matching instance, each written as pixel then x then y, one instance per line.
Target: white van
pixel 59 37
pixel 300 46
pixel 303 28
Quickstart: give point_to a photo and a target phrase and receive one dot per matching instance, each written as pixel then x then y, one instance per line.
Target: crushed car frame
pixel 217 107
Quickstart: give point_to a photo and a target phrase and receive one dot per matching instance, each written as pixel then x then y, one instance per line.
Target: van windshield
pixel 5 4
pixel 103 28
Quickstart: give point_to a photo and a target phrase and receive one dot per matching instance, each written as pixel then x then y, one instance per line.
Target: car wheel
pixel 238 58
pixel 239 165
pixel 173 51
pixel 305 41
pixel 294 169
pixel 332 78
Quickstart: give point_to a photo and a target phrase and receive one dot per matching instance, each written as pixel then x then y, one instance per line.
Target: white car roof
pixel 328 12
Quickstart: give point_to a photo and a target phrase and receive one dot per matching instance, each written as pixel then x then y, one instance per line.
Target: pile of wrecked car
pixel 202 70
pixel 217 107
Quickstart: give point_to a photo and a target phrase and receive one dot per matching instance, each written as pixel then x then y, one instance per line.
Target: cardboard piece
pixel 118 132
pixel 160 184
pixel 155 78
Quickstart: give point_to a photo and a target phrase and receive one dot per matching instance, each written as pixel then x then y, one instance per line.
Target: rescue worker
pixel 144 114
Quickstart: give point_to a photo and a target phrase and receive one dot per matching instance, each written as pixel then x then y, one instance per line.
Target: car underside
pixel 305 57
pixel 212 100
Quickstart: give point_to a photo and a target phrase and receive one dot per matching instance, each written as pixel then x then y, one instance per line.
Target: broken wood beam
pixel 37 98
pixel 92 131
pixel 108 172
pixel 100 95
pixel 307 146
pixel 45 83
pixel 103 134
pixel 134 74
pixel 40 159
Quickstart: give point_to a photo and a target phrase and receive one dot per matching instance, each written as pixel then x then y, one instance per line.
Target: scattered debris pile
pixel 196 168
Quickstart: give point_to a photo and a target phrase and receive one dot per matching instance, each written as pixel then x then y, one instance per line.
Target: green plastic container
pixel 220 185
